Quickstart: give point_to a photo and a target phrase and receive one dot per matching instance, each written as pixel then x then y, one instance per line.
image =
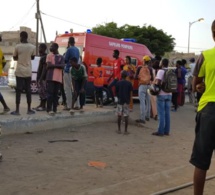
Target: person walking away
pixel 131 70
pixel 117 68
pixel 71 52
pixel 163 103
pixel 2 64
pixel 79 79
pixel 123 92
pixel 41 77
pixel 98 73
pixel 24 52
pixel 203 146
pixel 145 76
pixel 55 66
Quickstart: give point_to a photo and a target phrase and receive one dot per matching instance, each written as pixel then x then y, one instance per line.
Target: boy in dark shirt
pixel 123 92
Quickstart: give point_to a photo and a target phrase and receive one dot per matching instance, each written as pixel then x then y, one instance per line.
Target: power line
pixel 64 20
pixel 23 16
pixel 190 47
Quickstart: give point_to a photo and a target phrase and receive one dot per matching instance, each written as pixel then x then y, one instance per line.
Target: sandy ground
pixel 138 163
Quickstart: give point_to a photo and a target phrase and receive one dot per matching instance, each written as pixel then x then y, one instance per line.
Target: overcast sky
pixel 172 16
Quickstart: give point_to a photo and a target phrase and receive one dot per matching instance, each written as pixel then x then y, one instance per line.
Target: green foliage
pixel 156 40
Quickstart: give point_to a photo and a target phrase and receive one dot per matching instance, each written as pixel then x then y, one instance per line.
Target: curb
pixel 45 122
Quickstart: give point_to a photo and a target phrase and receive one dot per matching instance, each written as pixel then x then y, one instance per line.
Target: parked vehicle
pixel 12 77
pixel 92 46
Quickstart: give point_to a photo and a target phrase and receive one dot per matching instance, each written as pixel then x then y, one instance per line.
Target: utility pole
pixel 39 19
pixel 37 15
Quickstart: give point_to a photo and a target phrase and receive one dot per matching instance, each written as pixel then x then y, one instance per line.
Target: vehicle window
pixel 62 50
pixel 134 61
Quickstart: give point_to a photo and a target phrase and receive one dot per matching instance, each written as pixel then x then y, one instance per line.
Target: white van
pixel 12 77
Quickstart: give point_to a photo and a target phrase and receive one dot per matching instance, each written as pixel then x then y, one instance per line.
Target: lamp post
pixel 190 24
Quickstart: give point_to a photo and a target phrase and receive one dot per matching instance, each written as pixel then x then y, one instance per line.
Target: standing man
pixel 191 95
pixel 41 77
pixel 163 103
pixel 117 68
pixel 205 119
pixel 71 52
pixel 55 66
pixel 178 72
pixel 181 88
pixel 79 79
pixel 144 75
pixel 24 52
pixel 130 69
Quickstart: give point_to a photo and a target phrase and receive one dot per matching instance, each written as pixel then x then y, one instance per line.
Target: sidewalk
pixel 42 121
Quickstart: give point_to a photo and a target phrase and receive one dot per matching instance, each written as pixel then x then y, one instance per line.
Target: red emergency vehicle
pixel 92 46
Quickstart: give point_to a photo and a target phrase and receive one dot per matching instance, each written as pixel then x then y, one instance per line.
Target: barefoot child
pixel 123 92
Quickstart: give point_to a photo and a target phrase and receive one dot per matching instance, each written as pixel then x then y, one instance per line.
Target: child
pixel 98 73
pixel 123 92
pixel 54 78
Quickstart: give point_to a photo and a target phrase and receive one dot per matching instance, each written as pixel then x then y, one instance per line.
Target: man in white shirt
pixel 191 95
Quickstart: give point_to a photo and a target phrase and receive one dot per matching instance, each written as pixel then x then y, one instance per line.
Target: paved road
pixel 55 161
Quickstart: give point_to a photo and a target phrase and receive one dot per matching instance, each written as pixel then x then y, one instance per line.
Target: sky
pixel 171 16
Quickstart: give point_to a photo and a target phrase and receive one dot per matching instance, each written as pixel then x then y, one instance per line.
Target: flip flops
pixel 31 112
pixel 15 113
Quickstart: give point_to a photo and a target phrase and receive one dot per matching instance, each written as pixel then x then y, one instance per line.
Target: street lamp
pixel 190 24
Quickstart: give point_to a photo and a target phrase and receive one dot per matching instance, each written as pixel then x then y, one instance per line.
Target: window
pixel 134 61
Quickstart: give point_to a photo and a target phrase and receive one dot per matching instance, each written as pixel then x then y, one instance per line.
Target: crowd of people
pixel 65 73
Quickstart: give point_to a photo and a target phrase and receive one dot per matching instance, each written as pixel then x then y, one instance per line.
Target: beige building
pixel 11 38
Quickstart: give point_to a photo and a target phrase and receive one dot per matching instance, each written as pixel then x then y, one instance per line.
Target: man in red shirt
pixel 116 75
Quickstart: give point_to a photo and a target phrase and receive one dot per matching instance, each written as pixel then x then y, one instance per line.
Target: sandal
pixel 31 112
pixel 119 132
pixel 157 134
pixel 6 110
pixel 40 109
pixel 15 113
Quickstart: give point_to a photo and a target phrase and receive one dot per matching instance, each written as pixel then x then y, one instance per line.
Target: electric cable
pixel 64 20
pixel 21 20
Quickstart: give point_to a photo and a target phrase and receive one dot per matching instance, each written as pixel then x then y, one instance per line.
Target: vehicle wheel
pixel 34 88
pixel 106 96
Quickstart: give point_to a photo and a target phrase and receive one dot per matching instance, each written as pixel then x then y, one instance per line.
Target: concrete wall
pixel 11 38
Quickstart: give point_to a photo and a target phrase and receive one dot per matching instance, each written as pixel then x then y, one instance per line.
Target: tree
pixel 156 40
